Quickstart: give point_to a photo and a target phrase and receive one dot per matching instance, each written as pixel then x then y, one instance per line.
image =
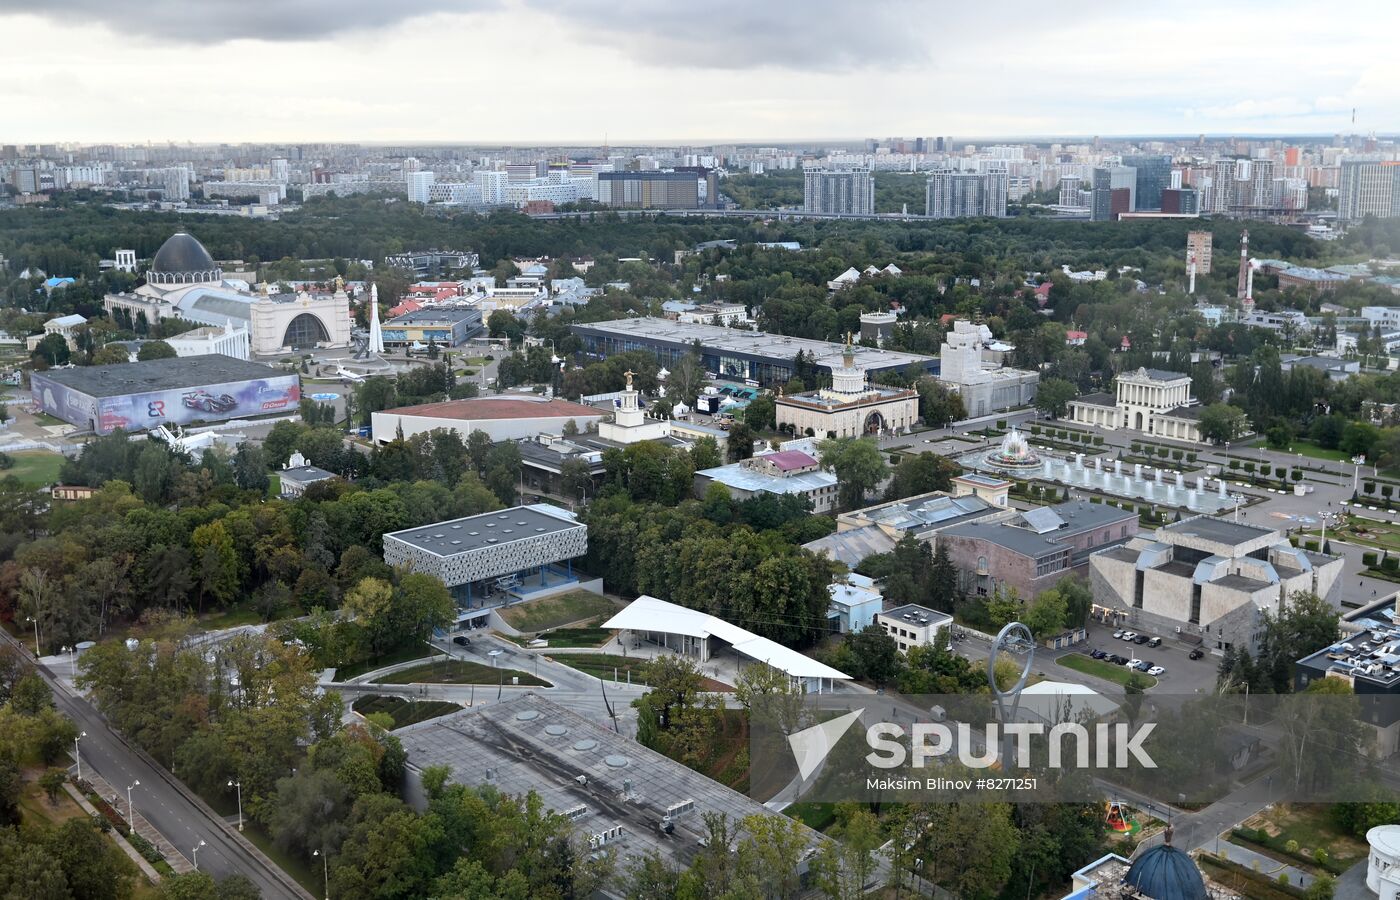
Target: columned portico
pixel 1152 401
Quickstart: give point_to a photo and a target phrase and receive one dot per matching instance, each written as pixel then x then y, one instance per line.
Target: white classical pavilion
pixel 850 407
pixel 1152 401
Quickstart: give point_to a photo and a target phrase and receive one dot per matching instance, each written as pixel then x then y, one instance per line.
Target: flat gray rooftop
pixel 1221 531
pixel 119 379
pixel 533 744
pixel 487 529
pixel 751 343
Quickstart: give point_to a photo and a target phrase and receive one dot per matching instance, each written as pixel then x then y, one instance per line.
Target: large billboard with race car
pixel 178 392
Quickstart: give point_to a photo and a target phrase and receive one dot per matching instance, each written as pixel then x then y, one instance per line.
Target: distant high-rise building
pixel 492 185
pixel 1199 245
pixel 1261 183
pixel 420 186
pixel 839 191
pixel 1243 280
pixel 1152 176
pixel 1181 201
pixel 1069 190
pixel 951 194
pixel 1368 188
pixel 649 190
pixel 25 180
pixel 1107 203
pixel 281 170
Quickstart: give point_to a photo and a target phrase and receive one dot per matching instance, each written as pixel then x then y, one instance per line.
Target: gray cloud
pixel 812 36
pixel 215 21
pixel 740 34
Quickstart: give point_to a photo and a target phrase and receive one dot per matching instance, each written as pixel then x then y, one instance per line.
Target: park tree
pixel 921 474
pixel 1052 396
pixel 858 464
pixel 1221 422
pixel 155 350
pixel 874 653
pixel 111 354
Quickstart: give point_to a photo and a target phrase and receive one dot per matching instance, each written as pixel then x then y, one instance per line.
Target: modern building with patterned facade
pixel 493 558
pixel 1152 401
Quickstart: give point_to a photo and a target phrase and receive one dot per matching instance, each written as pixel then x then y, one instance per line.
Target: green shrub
pixel 1311 545
pixel 1368 560
pixel 1390 564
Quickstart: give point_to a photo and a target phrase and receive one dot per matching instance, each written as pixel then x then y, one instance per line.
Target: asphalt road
pixel 180 820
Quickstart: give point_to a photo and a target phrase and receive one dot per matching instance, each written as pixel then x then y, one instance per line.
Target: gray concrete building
pixel 617 794
pixel 1206 581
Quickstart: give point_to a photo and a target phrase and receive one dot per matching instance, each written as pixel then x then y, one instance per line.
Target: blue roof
pixel 57 282
pixel 1166 873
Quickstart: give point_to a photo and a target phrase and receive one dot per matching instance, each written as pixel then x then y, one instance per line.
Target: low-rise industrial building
pixel 444 326
pixel 783 472
pixel 494 558
pixel 1030 551
pixel 504 417
pixel 912 625
pixel 1209 581
pixel 854 603
pixel 732 353
pixel 1367 658
pixel 137 396
pixel 617 795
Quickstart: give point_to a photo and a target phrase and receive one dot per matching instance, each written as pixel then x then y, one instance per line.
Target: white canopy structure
pixel 1064 701
pixel 661 620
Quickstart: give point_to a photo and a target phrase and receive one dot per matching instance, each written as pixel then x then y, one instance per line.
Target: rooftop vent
pixel 556 730
pixel 616 761
pixel 527 715
pixel 585 744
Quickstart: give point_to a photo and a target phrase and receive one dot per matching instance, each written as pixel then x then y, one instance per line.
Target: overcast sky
pixel 478 71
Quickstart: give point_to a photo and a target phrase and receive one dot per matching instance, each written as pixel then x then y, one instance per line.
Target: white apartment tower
pixel 839 192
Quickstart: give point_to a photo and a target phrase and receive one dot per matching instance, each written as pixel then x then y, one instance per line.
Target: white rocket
pixel 376 335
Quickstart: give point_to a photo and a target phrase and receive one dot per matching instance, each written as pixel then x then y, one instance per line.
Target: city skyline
pixel 526 72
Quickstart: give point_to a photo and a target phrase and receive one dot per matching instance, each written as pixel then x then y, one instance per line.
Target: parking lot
pixel 1182 675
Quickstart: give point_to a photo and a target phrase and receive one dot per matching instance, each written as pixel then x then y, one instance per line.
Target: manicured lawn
pixel 403 712
pixel 35 467
pixel 345 673
pixel 457 671
pixel 587 635
pixel 1311 826
pixel 558 611
pixel 602 665
pixel 1105 670
pixel 816 816
pixel 1309 449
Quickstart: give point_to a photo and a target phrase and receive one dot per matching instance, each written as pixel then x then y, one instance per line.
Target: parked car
pixel 462 640
pixel 1155 642
pixel 1196 654
pixel 1156 670
pixel 1145 665
pixel 1134 663
pixel 1129 635
pixel 1140 639
pixel 1118 634
pixel 1097 654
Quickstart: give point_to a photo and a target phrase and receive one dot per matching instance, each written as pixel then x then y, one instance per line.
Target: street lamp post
pixel 238 785
pixel 196 854
pixel 35 620
pixel 77 757
pixel 325 870
pixel 1238 498
pixel 131 810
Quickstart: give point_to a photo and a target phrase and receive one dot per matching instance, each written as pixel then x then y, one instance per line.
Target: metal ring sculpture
pixel 1013 638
